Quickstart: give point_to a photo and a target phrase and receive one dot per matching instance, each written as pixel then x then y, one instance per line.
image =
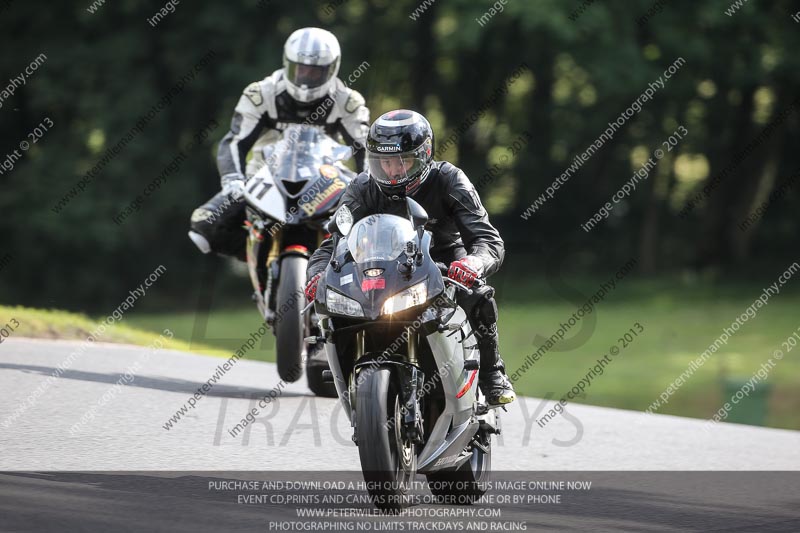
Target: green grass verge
pixel 680 322
pixel 673 337
pixel 54 324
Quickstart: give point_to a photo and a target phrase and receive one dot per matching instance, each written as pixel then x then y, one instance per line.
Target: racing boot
pixel 492 379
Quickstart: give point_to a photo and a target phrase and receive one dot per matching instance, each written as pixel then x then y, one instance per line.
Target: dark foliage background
pixel 104 70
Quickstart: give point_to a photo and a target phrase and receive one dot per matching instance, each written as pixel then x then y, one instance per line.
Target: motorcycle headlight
pixel 342 305
pixel 410 297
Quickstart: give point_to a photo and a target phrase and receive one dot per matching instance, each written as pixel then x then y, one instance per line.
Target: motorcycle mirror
pixel 343 221
pixel 342 153
pixel 419 217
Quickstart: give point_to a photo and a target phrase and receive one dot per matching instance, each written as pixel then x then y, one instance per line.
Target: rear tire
pixel 466 484
pixel 290 328
pixel 388 467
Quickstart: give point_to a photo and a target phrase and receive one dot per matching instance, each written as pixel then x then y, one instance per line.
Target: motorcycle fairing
pixel 351 277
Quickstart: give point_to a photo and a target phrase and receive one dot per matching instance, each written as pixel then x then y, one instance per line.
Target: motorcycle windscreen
pixel 376 242
pixel 294 159
pixel 379 238
pixel 300 165
pixel 295 170
pixel 322 196
pixel 303 148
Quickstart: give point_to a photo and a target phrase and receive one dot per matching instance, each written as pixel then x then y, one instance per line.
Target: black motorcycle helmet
pixel 400 152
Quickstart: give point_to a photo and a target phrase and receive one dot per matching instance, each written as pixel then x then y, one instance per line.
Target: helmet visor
pixel 394 169
pixel 309 76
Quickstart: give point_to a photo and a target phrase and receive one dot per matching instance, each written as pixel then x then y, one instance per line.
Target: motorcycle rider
pixel 400 151
pixel 305 91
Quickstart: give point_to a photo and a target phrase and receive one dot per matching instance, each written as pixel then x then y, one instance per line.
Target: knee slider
pixel 200 241
pixel 485 309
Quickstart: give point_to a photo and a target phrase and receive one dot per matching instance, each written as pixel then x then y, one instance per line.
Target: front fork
pixel 408 376
pixel 412 381
pixel 264 268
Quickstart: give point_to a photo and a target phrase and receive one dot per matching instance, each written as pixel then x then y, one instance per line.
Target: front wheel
pixel 290 325
pixel 388 461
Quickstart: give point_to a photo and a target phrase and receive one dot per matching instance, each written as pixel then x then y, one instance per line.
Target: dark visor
pixel 310 76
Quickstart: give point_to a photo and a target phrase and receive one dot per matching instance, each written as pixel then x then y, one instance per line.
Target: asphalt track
pixel 123 470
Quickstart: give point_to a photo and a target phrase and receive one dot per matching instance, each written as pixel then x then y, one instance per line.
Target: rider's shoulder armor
pixel 259 96
pixel 269 96
pixel 347 101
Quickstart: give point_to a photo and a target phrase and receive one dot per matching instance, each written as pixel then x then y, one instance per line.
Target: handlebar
pixel 444 269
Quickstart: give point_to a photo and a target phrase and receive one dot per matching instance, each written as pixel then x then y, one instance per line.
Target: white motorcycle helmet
pixel 311 58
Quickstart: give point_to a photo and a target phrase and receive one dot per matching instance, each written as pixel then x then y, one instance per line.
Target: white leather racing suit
pixel 266 108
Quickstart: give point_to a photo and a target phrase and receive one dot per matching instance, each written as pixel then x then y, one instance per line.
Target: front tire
pixel 290 328
pixel 388 464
